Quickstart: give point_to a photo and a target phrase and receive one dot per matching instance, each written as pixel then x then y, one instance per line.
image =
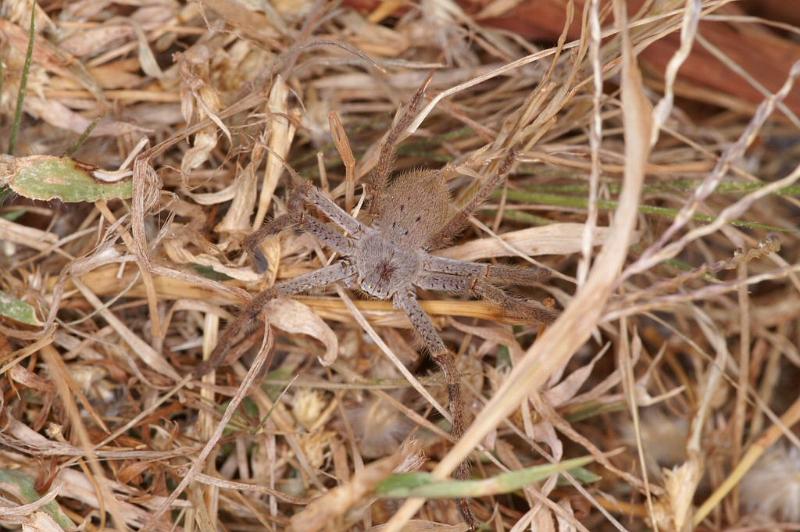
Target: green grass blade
pixel 577 202
pixel 23 84
pixel 423 485
pixel 82 139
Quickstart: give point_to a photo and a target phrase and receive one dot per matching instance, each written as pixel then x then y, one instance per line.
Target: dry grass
pixel 667 210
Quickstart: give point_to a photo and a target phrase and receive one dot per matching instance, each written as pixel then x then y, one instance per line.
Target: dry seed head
pixel 378 426
pixel 772 488
pixel 307 407
pixel 316 445
pixel 663 439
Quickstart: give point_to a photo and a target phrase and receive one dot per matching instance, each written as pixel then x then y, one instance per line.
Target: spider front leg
pixel 297 216
pixel 244 324
pixel 379 178
pixel 322 232
pixel 251 243
pixel 305 192
pixel 444 358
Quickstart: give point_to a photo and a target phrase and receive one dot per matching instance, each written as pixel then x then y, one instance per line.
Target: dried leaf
pixel 29 379
pixel 59 115
pixel 320 513
pixel 566 389
pixel 281 133
pixel 294 317
pixel 237 219
pixel 553 239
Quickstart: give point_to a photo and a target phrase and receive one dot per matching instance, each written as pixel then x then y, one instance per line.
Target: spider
pixel 390 257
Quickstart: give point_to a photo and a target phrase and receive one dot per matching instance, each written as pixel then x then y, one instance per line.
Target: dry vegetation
pixel 665 206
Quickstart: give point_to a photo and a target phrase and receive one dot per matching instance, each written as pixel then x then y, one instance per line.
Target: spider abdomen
pixel 414 207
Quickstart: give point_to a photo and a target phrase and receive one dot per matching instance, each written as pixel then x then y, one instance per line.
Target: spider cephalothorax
pixel 390 259
pixel 384 267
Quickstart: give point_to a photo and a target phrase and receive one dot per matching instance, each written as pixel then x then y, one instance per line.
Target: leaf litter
pixel 678 326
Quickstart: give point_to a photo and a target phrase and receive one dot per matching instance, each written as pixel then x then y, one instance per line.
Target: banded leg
pixel 423 326
pixel 514 305
pixel 245 322
pixel 313 196
pixel 251 243
pixel 379 177
pixel 477 285
pixel 460 219
pixel 321 231
pixel 494 273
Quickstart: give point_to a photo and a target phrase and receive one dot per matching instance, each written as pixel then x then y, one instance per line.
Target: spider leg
pixel 379 178
pixel 336 241
pixel 249 317
pixel 297 216
pixel 272 227
pixel 493 273
pixel 459 220
pixel 478 285
pixel 321 231
pixel 306 191
pixel 514 305
pixel 314 196
pixel 423 326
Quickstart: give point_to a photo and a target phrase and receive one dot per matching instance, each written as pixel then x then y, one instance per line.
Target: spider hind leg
pixel 445 360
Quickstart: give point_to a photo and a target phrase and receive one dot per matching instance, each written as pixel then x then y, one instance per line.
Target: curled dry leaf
pixel 321 513
pixel 237 219
pixel 294 317
pixel 40 522
pixel 59 115
pixel 565 390
pixel 553 239
pixel 180 255
pixel 30 380
pixel 281 133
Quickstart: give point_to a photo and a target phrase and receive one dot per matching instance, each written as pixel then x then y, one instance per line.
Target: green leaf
pixel 18 310
pixel 424 485
pixel 581 475
pixel 45 177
